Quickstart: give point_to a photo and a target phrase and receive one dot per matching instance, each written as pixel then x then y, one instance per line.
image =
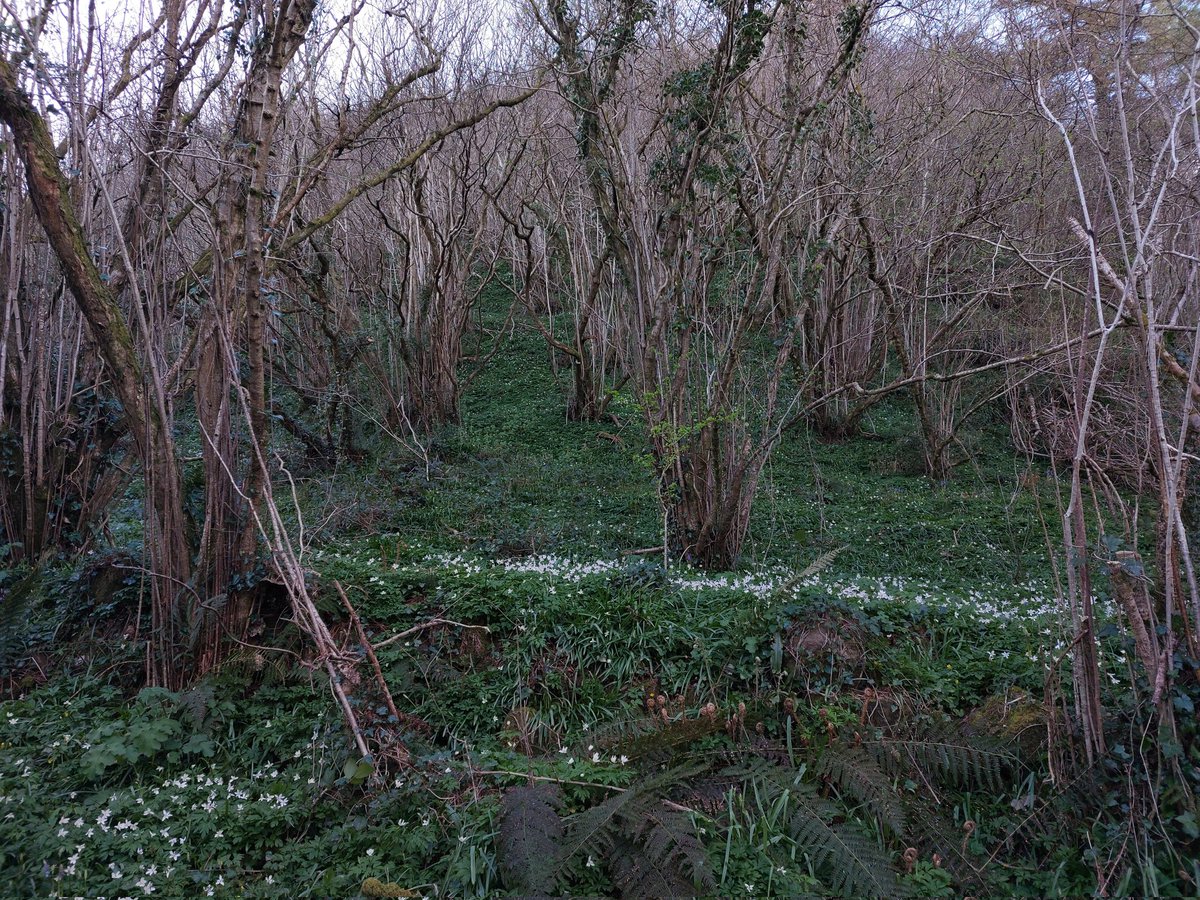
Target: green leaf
pixel 1187 821
pixel 358 771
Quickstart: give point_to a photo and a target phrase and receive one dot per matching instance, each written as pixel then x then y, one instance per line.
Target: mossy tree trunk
pixel 702 232
pixel 142 399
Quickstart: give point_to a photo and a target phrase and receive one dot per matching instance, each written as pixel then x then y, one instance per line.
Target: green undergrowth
pixel 856 710
pixel 515 476
pixel 800 733
pixel 632 620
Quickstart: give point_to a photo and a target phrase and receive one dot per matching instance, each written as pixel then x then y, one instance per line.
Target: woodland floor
pixel 930 607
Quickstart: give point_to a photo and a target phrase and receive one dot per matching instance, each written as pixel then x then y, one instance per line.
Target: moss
pixel 373 887
pixel 1012 716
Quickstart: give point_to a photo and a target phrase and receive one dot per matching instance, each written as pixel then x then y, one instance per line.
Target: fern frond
pixel 610 735
pixel 438 671
pixel 196 702
pixel 636 876
pixel 846 859
pixel 248 662
pixel 530 836
pixel 822 562
pixel 773 779
pixel 669 844
pixel 666 740
pixel 849 862
pixel 709 794
pixel 950 757
pixel 857 774
pixel 934 832
pixel 592 832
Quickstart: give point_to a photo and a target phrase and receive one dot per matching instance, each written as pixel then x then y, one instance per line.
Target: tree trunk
pixel 235 321
pixel 707 494
pixel 142 404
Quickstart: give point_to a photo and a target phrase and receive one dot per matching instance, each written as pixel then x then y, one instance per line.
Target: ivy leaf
pixel 358 771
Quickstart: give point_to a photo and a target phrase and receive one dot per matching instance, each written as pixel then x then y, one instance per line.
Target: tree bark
pixel 235 320
pixel 166 522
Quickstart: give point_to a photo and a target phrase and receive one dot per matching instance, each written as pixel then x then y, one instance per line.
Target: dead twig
pixel 370 651
pixel 432 623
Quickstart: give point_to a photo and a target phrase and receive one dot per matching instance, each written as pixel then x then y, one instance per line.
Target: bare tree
pixel 1121 95
pixel 696 214
pixel 179 296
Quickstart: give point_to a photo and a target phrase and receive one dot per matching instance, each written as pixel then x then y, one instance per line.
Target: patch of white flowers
pixel 987 601
pixel 157 838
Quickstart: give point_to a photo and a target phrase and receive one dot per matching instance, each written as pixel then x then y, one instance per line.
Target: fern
pixel 610 735
pixel 709 794
pixel 850 862
pixel 635 875
pixel 950 757
pixel 946 756
pixel 649 845
pixel 530 837
pixel 590 835
pixel 934 832
pixel 740 770
pixel 670 844
pixel 647 739
pixel 632 832
pixel 855 773
pixel 245 663
pixel 196 703
pixel 822 562
pixel 846 859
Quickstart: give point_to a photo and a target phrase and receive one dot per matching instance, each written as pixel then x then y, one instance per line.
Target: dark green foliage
pixel 530 837
pixel 159 724
pixel 48 508
pixel 640 574
pixel 852 863
pixel 196 703
pixel 859 777
pixel 244 664
pixel 644 835
pixel 842 854
pixel 669 846
pixel 952 757
pixel 16 602
pixel 648 739
pixel 635 874
pixel 646 847
pixel 568 662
